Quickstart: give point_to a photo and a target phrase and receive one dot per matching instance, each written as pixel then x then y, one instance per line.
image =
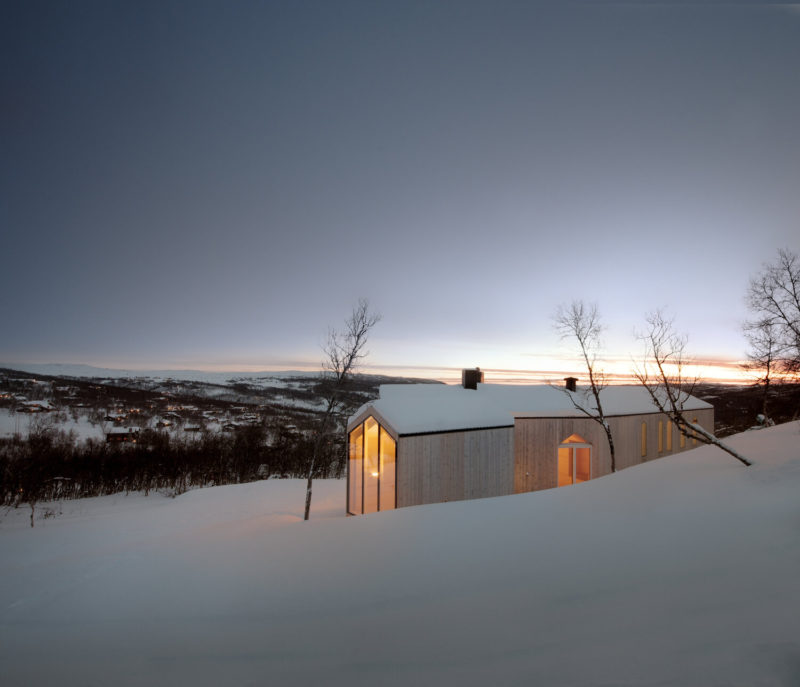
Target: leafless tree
pixel 581 321
pixel 343 352
pixel 773 296
pixel 662 373
pixel 762 357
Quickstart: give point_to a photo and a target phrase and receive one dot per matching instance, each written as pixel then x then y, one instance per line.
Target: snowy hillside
pixel 683 571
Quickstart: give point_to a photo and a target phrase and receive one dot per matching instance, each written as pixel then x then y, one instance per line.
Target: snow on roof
pixel 37 404
pixel 421 408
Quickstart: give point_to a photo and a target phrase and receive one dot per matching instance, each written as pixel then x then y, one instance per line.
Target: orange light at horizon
pixel 616 372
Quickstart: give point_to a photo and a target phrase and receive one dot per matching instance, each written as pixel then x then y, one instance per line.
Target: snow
pixel 22 423
pixel 681 571
pixel 420 408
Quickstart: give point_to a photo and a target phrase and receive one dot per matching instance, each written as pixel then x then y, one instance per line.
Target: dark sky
pixel 194 184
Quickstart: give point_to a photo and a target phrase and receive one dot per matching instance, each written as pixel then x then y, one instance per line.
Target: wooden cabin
pixel 431 443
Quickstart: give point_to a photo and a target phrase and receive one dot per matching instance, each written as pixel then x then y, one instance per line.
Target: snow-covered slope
pixel 683 571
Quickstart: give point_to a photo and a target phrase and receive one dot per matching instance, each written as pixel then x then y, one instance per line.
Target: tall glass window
pixel 371 483
pixel 355 468
pixel 388 454
pixel 371 472
pixel 574 461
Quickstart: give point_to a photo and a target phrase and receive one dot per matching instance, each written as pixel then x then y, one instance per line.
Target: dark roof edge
pixel 584 416
pixel 453 431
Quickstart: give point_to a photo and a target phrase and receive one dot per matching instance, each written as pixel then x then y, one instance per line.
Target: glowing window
pixel 669 435
pixel 371 465
pixel 355 469
pixel 372 457
pixel 387 476
pixel 644 440
pixel 660 436
pixel 574 461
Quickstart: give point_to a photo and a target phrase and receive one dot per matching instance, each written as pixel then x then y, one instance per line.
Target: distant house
pixel 430 443
pixel 34 407
pixel 128 435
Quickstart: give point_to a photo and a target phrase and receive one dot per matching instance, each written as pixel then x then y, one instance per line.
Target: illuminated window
pixel 388 454
pixel 683 440
pixel 669 435
pixel 371 465
pixel 644 440
pixel 355 469
pixel 574 461
pixel 372 455
pixel 660 436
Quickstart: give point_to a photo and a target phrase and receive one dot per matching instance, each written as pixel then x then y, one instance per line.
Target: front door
pixel 574 461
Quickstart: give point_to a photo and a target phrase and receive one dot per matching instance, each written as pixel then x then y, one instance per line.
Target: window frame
pixel 381 430
pixel 574 445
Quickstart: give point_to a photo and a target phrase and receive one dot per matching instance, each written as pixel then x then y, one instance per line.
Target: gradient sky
pixel 194 184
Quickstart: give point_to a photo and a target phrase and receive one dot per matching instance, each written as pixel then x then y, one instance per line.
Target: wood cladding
pixel 471 464
pixel 536 442
pixel 432 468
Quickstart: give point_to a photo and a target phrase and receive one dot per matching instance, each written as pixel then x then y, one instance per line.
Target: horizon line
pixel 715 371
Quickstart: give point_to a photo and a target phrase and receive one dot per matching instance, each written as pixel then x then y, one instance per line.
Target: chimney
pixel 471 378
pixel 572 383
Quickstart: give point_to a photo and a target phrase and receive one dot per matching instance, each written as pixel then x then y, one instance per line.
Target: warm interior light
pixel 374 474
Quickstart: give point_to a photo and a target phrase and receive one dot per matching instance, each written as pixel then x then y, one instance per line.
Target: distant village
pixel 120 411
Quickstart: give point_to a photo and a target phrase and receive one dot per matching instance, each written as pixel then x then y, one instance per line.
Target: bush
pixel 50 464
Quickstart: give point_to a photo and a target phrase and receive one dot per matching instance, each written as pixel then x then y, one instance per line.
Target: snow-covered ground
pixel 22 423
pixel 683 571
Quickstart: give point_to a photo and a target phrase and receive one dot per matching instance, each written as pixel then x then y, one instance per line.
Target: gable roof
pixel 425 408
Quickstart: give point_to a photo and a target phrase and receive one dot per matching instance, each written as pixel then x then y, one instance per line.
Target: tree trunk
pixel 610 446
pixel 708 438
pixel 308 489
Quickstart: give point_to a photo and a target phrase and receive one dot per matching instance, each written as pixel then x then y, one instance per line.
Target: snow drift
pixel 683 571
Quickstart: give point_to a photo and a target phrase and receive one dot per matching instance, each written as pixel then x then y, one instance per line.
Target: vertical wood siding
pixel 536 442
pixel 454 466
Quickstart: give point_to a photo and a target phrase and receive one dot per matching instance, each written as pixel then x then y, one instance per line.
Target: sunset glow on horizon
pixel 548 371
pixel 214 185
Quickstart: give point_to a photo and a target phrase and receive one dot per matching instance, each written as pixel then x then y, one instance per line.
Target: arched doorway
pixel 574 460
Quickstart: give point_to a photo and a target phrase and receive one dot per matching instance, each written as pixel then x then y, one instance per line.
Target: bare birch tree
pixel 581 321
pixel 773 296
pixel 662 373
pixel 343 352
pixel 762 358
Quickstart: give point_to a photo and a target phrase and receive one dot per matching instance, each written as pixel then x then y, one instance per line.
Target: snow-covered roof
pixel 421 408
pixel 37 404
